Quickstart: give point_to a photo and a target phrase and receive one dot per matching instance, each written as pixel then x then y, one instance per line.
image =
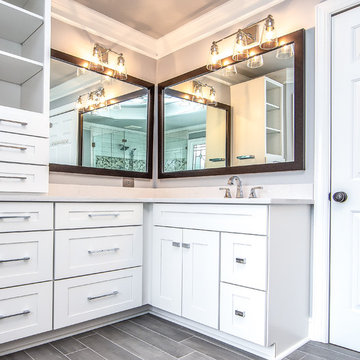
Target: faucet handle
pixel 253 194
pixel 227 192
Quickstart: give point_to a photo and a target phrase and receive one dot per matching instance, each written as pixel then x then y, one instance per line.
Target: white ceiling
pixel 154 18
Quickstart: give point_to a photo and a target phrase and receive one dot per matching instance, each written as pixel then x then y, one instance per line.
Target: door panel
pixel 201 276
pixel 345 223
pixel 167 269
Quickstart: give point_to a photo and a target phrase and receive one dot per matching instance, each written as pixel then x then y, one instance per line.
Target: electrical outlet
pixel 128 182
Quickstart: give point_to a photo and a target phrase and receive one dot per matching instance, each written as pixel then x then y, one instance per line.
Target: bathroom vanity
pixel 233 269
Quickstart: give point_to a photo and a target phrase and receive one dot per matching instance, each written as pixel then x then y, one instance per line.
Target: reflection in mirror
pixel 258 93
pixel 97 121
pixel 114 137
pixel 195 132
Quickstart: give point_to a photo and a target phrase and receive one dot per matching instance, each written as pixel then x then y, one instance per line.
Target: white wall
pixel 77 42
pixel 290 16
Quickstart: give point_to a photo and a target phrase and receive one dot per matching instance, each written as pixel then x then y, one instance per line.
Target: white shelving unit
pixel 24 88
pixel 257 122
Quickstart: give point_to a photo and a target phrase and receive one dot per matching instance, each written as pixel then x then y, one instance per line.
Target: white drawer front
pixel 24 149
pixel 88 215
pixel 25 310
pixel 87 251
pixel 243 313
pixel 250 219
pixel 244 260
pixel 25 257
pixel 23 216
pixel 23 122
pixel 89 297
pixel 23 178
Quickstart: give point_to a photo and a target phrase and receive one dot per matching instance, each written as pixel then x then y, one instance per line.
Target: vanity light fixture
pixel 230 70
pixel 244 39
pixel 91 100
pixel 101 60
pixel 198 93
pixel 285 52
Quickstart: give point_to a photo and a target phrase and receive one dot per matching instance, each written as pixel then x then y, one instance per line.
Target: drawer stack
pixel 98 260
pixel 26 269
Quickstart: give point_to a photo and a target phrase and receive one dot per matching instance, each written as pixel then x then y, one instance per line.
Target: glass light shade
pixel 97 61
pixel 79 103
pixel 269 38
pixel 255 62
pixel 121 72
pixel 240 51
pixel 214 61
pixel 212 96
pixel 285 52
pixel 198 92
pixel 230 70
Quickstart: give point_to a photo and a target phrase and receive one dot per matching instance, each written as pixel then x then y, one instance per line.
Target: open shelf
pixel 270 107
pixel 17 69
pixel 32 6
pixel 17 24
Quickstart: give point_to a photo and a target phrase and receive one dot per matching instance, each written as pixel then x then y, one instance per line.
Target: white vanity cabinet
pixel 98 260
pixel 185 273
pixel 26 269
pixel 261 252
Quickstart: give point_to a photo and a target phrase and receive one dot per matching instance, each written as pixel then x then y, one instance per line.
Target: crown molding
pixel 222 17
pixel 80 16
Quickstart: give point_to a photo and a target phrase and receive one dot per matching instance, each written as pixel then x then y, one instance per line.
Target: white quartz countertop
pixel 258 201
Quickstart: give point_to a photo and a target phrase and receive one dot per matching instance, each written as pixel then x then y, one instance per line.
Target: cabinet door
pixel 201 276
pixel 167 269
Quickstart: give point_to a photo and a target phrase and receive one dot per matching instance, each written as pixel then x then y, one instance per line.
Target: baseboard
pixel 44 338
pixel 291 349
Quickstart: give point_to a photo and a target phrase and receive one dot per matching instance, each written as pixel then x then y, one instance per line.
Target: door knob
pixel 340 197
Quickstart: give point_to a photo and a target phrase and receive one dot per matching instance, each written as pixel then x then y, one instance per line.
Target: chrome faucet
pixel 239 189
pixel 253 194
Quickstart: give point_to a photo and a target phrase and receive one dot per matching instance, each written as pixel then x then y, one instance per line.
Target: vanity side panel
pixel 289 275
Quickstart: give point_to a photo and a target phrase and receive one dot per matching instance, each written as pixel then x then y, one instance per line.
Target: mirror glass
pixel 257 95
pixel 97 121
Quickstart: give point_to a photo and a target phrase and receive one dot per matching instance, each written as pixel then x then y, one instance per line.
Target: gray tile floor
pixel 150 338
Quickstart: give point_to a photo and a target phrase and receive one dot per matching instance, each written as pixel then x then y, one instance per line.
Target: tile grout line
pixel 27 354
pixel 153 346
pixel 88 348
pixel 332 350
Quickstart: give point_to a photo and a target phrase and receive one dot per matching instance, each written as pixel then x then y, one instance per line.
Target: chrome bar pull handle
pixel 240 313
pixel 26 258
pixel 114 293
pixel 186 246
pixel 13 177
pixel 25 217
pixel 176 244
pixel 102 251
pixel 25 312
pixel 22 148
pixel 241 260
pixel 107 214
pixel 22 123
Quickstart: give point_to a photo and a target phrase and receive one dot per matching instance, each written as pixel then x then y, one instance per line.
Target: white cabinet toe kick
pixel 238 273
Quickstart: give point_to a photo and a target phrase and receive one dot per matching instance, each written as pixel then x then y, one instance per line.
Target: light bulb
pixel 79 104
pixel 285 52
pixel 269 38
pixel 198 91
pixel 97 60
pixel 214 62
pixel 240 51
pixel 212 96
pixel 121 72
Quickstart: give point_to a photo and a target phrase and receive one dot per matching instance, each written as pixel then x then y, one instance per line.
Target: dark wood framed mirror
pixel 114 137
pixel 264 95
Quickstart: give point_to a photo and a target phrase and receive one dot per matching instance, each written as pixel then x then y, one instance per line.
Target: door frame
pixel 319 325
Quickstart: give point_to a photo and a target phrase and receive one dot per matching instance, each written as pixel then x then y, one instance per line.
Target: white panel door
pixel 201 276
pixel 345 224
pixel 167 269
